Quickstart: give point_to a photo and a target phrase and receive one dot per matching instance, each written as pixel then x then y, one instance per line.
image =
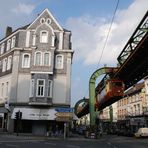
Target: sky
pixel 89 22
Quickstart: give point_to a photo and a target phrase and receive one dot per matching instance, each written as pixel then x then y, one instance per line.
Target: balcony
pixel 40 101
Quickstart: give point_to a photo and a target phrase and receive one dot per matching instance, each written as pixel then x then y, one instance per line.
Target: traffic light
pixel 18 115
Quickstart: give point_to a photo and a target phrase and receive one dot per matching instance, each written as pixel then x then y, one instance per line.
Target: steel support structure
pixel 135 39
pixel 92 81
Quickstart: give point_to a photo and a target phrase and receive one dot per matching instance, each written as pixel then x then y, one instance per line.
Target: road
pixel 107 141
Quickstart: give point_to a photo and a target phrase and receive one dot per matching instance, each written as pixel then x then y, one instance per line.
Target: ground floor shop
pixel 38 121
pixel 131 124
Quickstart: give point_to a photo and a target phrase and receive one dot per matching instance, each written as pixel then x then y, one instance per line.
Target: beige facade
pixel 134 103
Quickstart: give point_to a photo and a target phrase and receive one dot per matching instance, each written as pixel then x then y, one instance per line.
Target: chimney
pixel 8 30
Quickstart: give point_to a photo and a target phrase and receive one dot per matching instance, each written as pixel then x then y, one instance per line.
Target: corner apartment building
pixel 35 75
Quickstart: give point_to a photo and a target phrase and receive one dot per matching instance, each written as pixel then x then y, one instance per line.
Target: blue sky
pixel 89 21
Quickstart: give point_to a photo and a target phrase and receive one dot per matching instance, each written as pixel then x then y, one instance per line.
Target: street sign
pixel 65 110
pixel 63 114
pixel 63 119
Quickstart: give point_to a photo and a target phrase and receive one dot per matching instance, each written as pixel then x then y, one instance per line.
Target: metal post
pixel 65 130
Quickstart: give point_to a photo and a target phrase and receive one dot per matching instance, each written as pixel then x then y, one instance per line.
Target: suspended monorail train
pixel 107 92
pixel 110 92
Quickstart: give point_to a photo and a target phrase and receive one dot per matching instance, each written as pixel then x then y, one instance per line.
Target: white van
pixel 142 132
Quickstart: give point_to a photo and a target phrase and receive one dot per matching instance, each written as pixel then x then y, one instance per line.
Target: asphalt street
pixel 107 141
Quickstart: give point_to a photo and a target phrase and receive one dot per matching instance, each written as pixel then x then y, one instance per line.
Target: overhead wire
pixel 107 36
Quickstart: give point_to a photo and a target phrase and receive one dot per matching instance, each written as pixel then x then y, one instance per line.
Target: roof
pixel 136 88
pixel 23 27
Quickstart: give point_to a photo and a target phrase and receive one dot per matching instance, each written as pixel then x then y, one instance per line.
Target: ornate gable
pixel 45 18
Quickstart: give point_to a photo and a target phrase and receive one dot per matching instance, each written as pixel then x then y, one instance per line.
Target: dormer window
pixel 8 44
pixel 43 36
pixel 42 20
pixel 13 42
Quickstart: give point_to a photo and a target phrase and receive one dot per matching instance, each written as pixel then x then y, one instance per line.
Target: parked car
pixel 142 132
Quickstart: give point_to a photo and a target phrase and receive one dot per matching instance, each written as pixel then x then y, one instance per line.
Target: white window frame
pixel 35 59
pixel 13 41
pixel 43 39
pixel 49 93
pixel 42 20
pixel 8 44
pixel 4 66
pixel 48 21
pixel 24 65
pixel 9 62
pixel 57 66
pixel 2 48
pixel 49 59
pixel 43 95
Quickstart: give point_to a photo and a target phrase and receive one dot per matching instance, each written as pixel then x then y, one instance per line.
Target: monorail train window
pixel 117 84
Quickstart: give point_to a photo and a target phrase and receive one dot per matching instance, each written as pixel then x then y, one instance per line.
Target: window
pixel 43 36
pixel 26 61
pixel 13 42
pixel 47 59
pixel 59 61
pixel 49 88
pixel 40 87
pixel 8 44
pixel 2 90
pixel 0 65
pixel 2 48
pixel 7 88
pixel 42 20
pixel 48 21
pixel 38 58
pixel 4 66
pixel 9 62
pixel 32 88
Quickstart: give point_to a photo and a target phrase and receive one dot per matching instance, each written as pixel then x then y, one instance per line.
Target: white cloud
pixel 13 14
pixel 89 34
pixel 24 8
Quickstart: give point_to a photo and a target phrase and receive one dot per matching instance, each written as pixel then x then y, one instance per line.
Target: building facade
pixel 35 75
pixel 133 108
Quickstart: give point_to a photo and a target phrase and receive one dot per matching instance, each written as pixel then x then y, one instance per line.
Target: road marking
pixel 10 145
pixel 50 143
pixel 72 146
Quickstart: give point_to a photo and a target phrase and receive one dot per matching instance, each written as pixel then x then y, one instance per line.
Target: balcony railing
pixel 40 101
